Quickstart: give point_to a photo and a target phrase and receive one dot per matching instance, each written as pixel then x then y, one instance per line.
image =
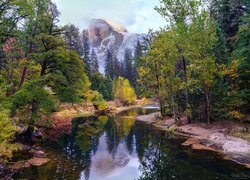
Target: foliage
pixel 183 66
pixel 7 132
pixel 31 101
pixel 97 99
pixel 123 91
pixel 99 102
pixel 101 84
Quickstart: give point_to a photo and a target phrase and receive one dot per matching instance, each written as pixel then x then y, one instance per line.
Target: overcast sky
pixel 136 15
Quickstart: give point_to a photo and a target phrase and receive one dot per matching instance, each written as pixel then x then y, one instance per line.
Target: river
pixel 120 148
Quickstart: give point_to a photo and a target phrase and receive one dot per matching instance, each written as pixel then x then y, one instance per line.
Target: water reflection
pixel 106 165
pixel 118 148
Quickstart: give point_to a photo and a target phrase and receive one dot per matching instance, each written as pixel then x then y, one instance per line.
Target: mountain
pixel 104 35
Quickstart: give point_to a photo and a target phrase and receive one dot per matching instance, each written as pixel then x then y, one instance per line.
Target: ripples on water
pixel 119 148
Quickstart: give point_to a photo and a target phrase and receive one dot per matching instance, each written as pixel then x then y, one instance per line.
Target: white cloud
pixel 136 15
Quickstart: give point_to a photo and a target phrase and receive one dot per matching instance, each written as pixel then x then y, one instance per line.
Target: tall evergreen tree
pixel 71 36
pixel 137 58
pixel 117 67
pixel 86 50
pixel 94 62
pixel 227 14
pixel 109 65
pixel 242 54
pixel 128 61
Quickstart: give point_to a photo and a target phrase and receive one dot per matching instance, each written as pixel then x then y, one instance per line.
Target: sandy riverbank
pixel 215 137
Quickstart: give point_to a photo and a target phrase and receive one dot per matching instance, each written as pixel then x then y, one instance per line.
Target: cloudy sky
pixel 136 15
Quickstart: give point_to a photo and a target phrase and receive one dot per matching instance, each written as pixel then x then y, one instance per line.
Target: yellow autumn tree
pixel 123 91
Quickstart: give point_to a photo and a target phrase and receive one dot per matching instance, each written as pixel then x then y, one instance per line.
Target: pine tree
pixel 71 36
pixel 94 62
pixel 86 51
pixel 242 54
pixel 227 14
pixel 128 61
pixel 137 58
pixel 109 65
pixel 117 67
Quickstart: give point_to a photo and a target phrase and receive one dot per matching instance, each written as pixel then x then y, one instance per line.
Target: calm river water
pixel 119 148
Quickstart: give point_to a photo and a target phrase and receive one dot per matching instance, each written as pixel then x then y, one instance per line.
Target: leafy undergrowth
pixel 7 132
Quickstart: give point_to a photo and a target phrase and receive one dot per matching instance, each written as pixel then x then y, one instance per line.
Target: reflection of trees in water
pixel 79 147
pixel 111 137
pixel 141 136
pixel 82 144
pixel 130 140
pixel 123 126
pixel 87 140
pixel 117 130
pixel 157 160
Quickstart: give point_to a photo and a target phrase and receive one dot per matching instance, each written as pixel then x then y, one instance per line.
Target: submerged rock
pixel 39 154
pixel 30 162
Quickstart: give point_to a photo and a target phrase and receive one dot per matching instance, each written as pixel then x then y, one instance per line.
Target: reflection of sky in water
pixel 107 166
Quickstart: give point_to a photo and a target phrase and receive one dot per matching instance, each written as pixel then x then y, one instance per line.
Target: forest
pixel 197 66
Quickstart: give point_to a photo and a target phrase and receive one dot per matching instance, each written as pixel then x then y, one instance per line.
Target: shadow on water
pixel 121 148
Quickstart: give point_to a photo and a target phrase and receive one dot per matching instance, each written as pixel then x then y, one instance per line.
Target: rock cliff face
pixel 108 35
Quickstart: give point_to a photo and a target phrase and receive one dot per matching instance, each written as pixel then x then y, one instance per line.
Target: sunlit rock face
pixel 108 35
pixel 103 34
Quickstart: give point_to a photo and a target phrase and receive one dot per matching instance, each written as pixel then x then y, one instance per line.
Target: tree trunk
pixel 208 106
pixel 24 73
pixel 9 80
pixel 43 70
pixel 176 118
pixel 25 69
pixel 186 89
pixel 161 107
pixel 184 64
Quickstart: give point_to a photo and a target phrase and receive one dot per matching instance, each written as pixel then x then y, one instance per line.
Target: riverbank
pixel 218 137
pixel 63 118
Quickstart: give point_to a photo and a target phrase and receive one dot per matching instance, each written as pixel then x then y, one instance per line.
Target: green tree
pixel 109 65
pixel 100 84
pixel 94 62
pixel 157 73
pixel 227 14
pixel 71 36
pixel 186 65
pixel 32 101
pixel 242 54
pixel 11 13
pixel 7 131
pixel 86 50
pixel 128 70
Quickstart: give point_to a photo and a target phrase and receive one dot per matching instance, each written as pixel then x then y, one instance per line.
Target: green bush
pixel 7 132
pixel 99 102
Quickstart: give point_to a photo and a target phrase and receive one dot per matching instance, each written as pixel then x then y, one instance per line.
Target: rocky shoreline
pixel 37 157
pixel 202 137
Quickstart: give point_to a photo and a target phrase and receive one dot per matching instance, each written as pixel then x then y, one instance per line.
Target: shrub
pixel 7 132
pixel 123 91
